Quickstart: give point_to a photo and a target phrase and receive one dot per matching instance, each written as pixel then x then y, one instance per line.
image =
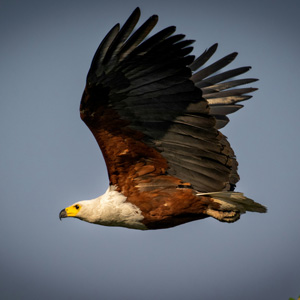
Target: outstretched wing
pixel 147 112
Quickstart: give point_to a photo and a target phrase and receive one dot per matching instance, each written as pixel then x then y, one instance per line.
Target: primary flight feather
pixel 155 112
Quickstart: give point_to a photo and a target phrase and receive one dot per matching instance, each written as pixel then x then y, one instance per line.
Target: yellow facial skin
pixel 73 210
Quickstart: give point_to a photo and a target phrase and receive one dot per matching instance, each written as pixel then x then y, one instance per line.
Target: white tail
pixel 232 204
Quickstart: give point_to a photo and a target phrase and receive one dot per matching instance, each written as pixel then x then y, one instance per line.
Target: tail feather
pixel 230 205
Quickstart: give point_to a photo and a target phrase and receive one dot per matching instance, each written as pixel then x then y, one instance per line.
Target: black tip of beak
pixel 62 214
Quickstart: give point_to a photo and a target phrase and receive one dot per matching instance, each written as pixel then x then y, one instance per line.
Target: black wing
pixel 150 86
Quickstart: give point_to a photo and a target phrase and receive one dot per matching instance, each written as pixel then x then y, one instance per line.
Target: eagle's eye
pixel 76 206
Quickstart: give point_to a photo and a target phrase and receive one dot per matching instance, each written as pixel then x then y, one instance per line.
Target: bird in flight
pixel 155 112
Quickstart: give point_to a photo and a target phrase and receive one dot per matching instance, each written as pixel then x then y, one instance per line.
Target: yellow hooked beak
pixel 70 211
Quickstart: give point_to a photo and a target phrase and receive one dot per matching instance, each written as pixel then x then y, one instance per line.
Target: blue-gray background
pixel 49 159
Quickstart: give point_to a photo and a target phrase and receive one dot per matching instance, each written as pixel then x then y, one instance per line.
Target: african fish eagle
pixel 155 113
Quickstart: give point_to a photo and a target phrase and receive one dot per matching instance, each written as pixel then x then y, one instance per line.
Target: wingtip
pixel 233 55
pixel 214 47
pixel 154 18
pixel 137 10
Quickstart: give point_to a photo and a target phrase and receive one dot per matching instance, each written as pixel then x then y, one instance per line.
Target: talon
pixel 224 216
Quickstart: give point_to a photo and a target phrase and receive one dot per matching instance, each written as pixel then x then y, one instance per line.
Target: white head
pixel 110 209
pixel 84 210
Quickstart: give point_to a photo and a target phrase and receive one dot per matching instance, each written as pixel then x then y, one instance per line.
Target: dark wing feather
pixel 221 95
pixel 145 108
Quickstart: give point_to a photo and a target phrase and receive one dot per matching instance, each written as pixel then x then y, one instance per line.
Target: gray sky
pixel 49 159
